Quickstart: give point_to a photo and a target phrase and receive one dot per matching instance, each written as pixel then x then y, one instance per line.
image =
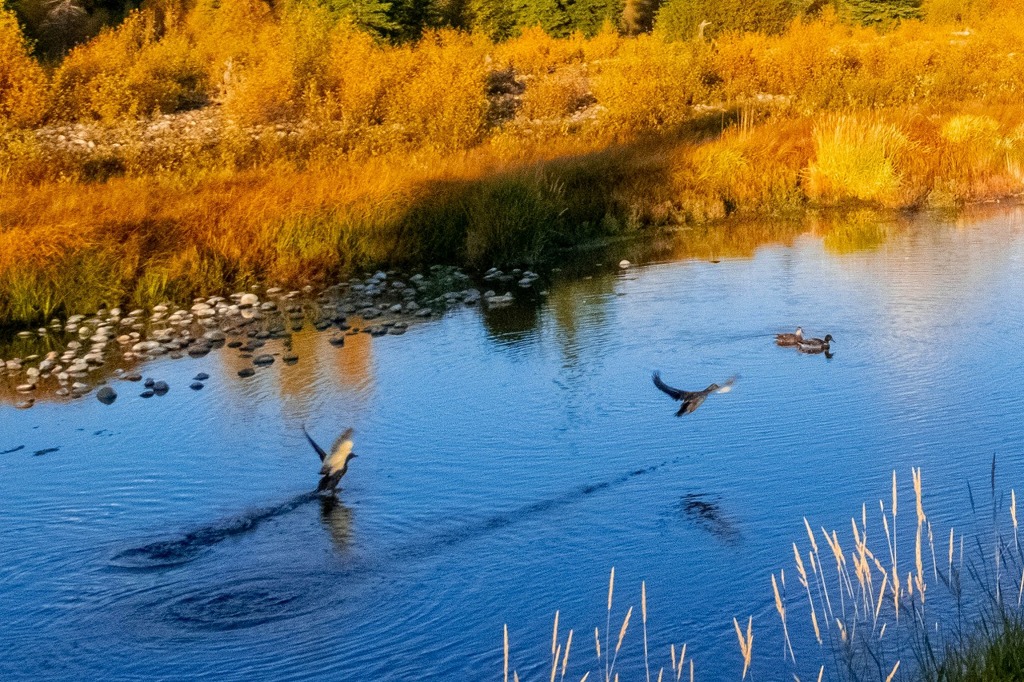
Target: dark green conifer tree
pixel 370 15
pixel 881 12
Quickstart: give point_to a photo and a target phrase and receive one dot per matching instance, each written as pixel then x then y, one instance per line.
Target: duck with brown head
pixel 790 339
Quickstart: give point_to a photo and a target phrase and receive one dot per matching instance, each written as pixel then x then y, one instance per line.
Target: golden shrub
pixel 288 61
pixel 353 94
pixel 649 85
pixel 535 52
pixel 129 71
pixel 857 158
pixel 555 95
pixel 443 103
pixel 23 97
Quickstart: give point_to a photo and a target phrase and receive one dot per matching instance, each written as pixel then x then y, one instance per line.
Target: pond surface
pixel 509 458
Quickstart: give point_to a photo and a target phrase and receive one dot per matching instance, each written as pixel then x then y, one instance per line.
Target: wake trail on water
pixel 180 550
pixel 183 549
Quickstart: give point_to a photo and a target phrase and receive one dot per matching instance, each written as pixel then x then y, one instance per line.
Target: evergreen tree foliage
pixel 374 16
pixel 682 19
pixel 588 16
pixel 498 19
pixel 410 18
pixel 881 12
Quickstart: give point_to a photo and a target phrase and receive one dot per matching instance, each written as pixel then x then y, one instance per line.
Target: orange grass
pixel 458 149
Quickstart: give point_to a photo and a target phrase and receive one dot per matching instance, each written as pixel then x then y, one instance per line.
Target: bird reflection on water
pixel 337 519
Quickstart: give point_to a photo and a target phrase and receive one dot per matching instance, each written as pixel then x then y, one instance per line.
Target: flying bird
pixel 790 339
pixel 691 399
pixel 335 462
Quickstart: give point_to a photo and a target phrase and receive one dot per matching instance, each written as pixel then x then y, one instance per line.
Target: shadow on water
pixel 181 550
pixel 706 513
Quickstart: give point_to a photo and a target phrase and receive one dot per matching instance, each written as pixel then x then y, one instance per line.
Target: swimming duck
pixel 790 339
pixel 335 463
pixel 691 399
pixel 815 345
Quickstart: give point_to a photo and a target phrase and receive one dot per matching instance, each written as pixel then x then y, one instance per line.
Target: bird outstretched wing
pixel 676 393
pixel 340 440
pixel 319 450
pixel 726 386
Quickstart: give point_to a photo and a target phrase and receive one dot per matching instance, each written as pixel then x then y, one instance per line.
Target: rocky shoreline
pixel 85 349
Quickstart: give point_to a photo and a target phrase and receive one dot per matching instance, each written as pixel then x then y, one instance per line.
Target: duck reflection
pixel 337 519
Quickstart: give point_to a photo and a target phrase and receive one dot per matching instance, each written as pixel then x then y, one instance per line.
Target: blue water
pixel 507 460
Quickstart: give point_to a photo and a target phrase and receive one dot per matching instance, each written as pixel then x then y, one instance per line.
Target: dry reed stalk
pixel 1020 591
pixel 618 644
pixel 780 606
pixel 893 673
pixel 746 643
pixel 822 582
pixel 860 564
pixel 585 676
pixel 554 637
pixel 643 611
pixel 844 572
pixel 1013 516
pixel 661 672
pixel 821 673
pixel 678 669
pixel 506 653
pixel 691 670
pixel 803 581
pixel 916 475
pixel 919 564
pixel 894 544
pixel 817 582
pixel 950 556
pixel 554 662
pixel 597 643
pixel 931 546
pixel 608 623
pixel 565 658
pixel 878 605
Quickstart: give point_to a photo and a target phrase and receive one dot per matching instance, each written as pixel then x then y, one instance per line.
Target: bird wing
pixel 726 386
pixel 339 453
pixel 676 393
pixel 339 442
pixel 319 450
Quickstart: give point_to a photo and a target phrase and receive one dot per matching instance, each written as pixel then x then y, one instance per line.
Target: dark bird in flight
pixel 790 339
pixel 691 399
pixel 335 462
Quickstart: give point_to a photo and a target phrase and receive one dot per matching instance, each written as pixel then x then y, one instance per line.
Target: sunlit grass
pixel 907 602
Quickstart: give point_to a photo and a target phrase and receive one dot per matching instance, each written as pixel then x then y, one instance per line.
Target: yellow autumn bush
pixel 23 96
pixel 133 70
pixel 649 85
pixel 442 103
pixel 857 158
